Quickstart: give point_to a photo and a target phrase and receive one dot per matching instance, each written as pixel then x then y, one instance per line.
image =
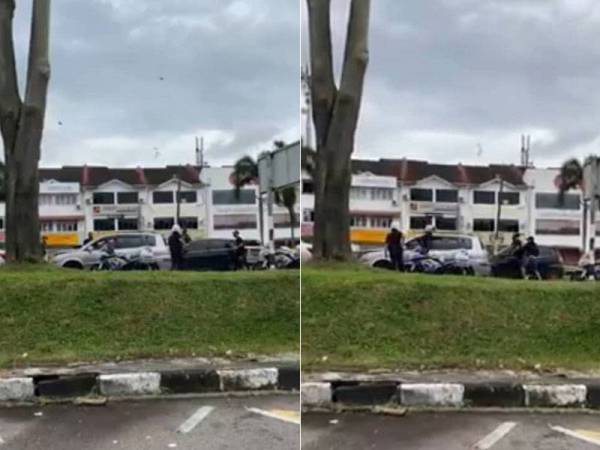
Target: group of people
pixel 527 255
pixel 179 238
pixel 394 246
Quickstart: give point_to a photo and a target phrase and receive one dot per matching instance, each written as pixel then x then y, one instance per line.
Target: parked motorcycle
pixel 139 261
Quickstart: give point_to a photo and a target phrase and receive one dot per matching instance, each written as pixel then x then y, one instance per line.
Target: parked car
pixel 444 247
pixel 127 244
pixel 209 254
pixel 305 251
pixel 550 264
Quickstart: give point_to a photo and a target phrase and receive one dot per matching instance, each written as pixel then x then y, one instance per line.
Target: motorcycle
pixel 139 261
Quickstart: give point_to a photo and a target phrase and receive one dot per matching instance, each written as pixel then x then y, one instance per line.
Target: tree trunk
pixel 292 215
pixel 335 115
pixel 22 125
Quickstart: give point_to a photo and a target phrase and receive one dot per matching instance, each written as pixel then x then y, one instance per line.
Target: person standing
pixel 239 251
pixel 394 249
pixel 530 259
pixel 176 248
pixel 89 238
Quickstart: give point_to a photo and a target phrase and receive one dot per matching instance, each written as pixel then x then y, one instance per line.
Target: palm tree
pixel 286 197
pixel 245 172
pixel 572 175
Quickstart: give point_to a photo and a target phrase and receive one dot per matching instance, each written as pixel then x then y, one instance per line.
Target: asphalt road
pixel 451 431
pixel 149 425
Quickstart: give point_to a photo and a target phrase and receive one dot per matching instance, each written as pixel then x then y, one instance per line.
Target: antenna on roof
pixel 200 152
pixel 526 151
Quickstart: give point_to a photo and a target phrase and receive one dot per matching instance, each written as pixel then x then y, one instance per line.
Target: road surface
pixel 451 431
pixel 256 423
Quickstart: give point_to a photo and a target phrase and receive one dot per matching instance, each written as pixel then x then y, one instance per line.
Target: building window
pixel 308 187
pixel 446 195
pixel 66 226
pixel 382 194
pixel 163 223
pixel 228 197
pixel 510 198
pixel 188 223
pixel 162 197
pixel 308 215
pixel 359 193
pixel 104 225
pixel 558 227
pixel 484 197
pixel 508 226
pixel 104 198
pixel 552 201
pixel 45 199
pixel 359 221
pixel 188 197
pixel 419 222
pixel 484 225
pixel 128 224
pixel 234 221
pixel 381 222
pixel 1 223
pixel 46 227
pixel 127 198
pixel 421 195
pixel 282 220
pixel 66 199
pixel 446 223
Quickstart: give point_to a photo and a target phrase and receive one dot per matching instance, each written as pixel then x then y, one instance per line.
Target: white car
pixel 126 244
pixel 444 247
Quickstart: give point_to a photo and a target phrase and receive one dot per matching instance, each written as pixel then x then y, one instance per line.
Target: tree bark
pixel 335 115
pixel 22 125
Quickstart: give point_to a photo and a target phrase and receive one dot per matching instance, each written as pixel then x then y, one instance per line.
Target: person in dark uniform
pixel 239 251
pixel 394 248
pixel 176 247
pixel 530 259
pixel 89 238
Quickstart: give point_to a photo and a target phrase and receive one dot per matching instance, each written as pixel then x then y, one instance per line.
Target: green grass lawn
pixel 356 318
pixel 50 315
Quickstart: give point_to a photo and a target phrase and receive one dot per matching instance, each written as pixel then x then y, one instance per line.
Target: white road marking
pixel 2 441
pixel 195 419
pixel 272 415
pixel 576 435
pixel 495 436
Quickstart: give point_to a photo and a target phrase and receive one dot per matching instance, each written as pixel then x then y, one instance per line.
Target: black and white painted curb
pixel 192 381
pixel 332 395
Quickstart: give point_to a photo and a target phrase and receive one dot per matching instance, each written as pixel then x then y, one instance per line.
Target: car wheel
pixel 553 275
pixel 73 265
pixel 383 264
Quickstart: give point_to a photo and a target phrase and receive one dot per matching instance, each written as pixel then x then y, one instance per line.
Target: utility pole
pixel 498 214
pixel 178 200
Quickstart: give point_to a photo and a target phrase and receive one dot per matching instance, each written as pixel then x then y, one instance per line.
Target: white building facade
pixel 493 202
pixel 75 202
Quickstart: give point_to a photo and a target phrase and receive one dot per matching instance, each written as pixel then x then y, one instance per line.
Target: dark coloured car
pixel 209 254
pixel 550 264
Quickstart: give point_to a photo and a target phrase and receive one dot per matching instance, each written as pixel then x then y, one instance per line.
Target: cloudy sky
pixel 448 76
pixel 230 70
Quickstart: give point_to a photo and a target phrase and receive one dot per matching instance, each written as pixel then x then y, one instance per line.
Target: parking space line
pixel 576 435
pixel 195 419
pixel 285 416
pixel 495 436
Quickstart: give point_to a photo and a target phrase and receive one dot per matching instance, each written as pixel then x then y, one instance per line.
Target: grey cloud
pixel 127 71
pixel 447 74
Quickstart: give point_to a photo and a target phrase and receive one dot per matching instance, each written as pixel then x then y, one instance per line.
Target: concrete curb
pixel 490 394
pixel 144 384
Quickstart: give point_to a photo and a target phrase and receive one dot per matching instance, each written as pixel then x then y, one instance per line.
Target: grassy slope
pixel 365 318
pixel 56 316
